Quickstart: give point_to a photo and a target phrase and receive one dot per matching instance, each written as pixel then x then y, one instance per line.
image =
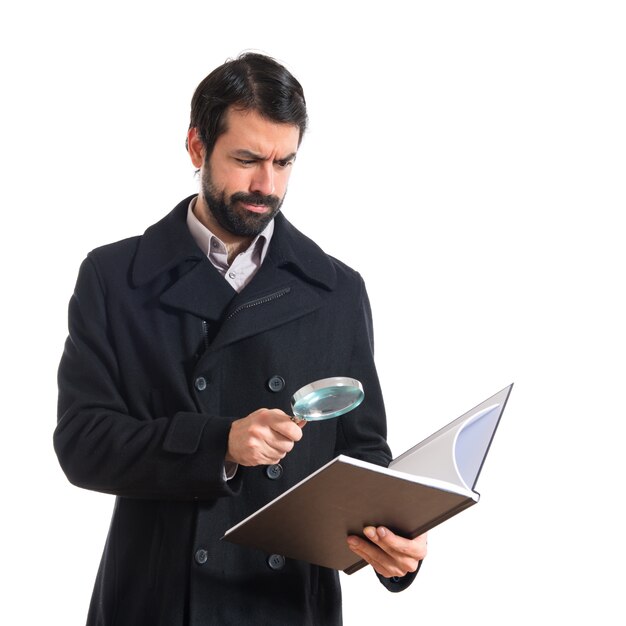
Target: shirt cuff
pixel 230 469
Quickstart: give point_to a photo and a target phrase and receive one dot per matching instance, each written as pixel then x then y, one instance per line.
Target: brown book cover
pixel 422 488
pixel 312 520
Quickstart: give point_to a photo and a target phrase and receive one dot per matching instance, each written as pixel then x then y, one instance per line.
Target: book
pixel 421 488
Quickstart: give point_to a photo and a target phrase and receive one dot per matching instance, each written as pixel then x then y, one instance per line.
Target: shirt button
pixel 276 561
pixel 200 383
pixel 232 275
pixel 274 472
pixel 276 384
pixel 201 556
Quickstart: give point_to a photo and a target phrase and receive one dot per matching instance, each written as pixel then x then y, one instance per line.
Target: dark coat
pixel 162 356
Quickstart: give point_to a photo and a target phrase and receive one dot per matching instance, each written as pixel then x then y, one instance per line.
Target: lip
pixel 255 208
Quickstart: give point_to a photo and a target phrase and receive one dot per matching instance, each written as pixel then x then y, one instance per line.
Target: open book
pixel 423 487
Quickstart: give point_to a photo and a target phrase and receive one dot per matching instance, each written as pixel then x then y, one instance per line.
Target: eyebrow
pixel 253 156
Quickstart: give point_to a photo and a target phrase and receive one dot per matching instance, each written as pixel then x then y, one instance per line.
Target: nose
pixel 263 179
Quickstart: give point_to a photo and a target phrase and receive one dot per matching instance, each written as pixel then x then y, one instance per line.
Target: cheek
pixel 280 183
pixel 231 180
pixel 238 181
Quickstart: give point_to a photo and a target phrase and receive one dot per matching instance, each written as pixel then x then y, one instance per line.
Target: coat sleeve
pixel 101 446
pixel 363 433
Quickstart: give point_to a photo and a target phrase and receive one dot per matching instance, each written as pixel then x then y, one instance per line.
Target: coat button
pixel 200 383
pixel 201 556
pixel 276 384
pixel 274 471
pixel 276 561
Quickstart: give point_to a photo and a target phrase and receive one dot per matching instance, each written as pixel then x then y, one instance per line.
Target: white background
pixel 470 154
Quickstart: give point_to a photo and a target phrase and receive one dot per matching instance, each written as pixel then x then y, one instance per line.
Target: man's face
pixel 245 179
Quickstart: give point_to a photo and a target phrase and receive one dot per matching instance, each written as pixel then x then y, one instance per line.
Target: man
pixel 178 339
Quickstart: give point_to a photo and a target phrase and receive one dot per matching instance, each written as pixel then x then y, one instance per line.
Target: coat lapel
pixel 286 287
pixel 168 257
pixel 273 298
pixel 201 292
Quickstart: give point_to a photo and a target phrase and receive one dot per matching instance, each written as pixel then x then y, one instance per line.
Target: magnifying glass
pixel 327 398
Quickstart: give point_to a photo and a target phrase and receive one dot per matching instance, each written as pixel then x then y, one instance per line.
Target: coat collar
pixel 168 243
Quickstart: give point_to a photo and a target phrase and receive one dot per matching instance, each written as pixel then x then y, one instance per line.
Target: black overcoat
pixel 162 356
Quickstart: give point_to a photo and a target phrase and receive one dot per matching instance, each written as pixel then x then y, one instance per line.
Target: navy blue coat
pixel 162 356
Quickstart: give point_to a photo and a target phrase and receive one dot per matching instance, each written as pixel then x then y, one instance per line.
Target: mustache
pixel 273 202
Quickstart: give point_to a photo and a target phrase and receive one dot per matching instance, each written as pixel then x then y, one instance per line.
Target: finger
pixel 282 422
pixel 255 444
pixel 283 425
pixel 370 560
pixel 397 554
pixel 278 446
pixel 274 425
pixel 397 546
pixel 375 557
pixel 272 451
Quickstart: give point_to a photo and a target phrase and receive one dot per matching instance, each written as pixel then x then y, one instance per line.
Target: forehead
pixel 248 130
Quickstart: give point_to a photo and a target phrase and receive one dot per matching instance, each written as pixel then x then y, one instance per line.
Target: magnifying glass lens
pixel 327 398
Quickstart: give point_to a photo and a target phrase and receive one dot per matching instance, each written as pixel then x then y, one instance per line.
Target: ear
pixel 195 147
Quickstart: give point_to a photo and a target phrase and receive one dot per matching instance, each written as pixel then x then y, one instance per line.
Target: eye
pixel 245 162
pixel 283 163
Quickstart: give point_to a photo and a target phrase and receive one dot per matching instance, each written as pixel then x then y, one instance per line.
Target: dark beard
pixel 230 216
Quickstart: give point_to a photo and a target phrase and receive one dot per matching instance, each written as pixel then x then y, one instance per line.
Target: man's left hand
pixel 388 553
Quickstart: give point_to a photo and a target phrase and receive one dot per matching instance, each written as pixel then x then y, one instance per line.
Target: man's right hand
pixel 263 437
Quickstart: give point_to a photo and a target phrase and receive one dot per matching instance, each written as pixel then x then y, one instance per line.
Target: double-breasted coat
pixel 162 355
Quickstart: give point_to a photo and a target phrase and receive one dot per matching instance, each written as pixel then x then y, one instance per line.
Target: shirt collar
pixel 168 243
pixel 205 239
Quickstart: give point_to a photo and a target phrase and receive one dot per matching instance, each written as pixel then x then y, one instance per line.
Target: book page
pixel 456 452
pixel 433 457
pixel 472 442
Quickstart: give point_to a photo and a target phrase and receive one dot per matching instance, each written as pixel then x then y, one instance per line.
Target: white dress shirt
pixel 245 265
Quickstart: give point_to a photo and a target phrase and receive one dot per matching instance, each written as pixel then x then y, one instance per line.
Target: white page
pixel 456 452
pixel 472 443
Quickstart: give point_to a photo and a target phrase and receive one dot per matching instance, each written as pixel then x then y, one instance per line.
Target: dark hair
pixel 251 82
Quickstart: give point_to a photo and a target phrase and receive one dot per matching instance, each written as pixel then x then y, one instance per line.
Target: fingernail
pixel 369 532
pixel 353 541
pixel 381 532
